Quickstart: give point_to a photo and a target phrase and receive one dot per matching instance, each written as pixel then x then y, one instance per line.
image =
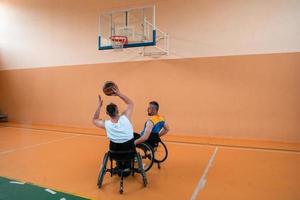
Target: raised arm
pixel 128 111
pixel 96 121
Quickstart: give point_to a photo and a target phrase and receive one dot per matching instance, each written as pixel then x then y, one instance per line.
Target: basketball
pixel 108 86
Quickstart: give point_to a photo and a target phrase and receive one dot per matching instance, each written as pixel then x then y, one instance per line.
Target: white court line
pixel 262 150
pixel 35 145
pixel 237 147
pixel 55 132
pixel 17 182
pixel 40 131
pixel 202 180
pixel 171 142
pixel 50 191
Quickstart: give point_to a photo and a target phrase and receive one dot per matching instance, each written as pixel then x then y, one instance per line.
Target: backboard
pixel 136 24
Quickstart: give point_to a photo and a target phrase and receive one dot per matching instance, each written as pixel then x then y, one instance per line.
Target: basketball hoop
pixel 118 42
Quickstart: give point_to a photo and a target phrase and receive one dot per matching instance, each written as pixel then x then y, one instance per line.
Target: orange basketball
pixel 107 88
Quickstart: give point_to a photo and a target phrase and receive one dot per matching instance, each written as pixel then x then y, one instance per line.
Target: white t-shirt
pixel 119 132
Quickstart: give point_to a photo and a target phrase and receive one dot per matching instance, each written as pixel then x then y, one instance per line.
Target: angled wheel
pixel 102 170
pixel 147 155
pixel 160 152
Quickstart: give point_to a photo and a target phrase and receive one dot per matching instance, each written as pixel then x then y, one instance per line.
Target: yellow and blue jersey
pixel 158 124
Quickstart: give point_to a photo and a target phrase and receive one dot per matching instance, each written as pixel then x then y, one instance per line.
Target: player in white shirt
pixel 118 128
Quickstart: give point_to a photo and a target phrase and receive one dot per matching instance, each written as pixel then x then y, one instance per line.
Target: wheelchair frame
pixel 121 156
pixel 146 147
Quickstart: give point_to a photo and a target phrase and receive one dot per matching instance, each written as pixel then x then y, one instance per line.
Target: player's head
pixel 153 108
pixel 112 110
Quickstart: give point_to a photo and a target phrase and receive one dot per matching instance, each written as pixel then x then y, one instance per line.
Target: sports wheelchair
pixel 152 152
pixel 122 157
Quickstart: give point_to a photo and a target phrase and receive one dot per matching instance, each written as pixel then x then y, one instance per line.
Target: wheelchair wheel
pixel 147 155
pixel 160 152
pixel 102 170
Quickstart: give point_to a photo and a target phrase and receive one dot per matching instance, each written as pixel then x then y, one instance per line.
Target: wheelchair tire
pixel 102 171
pixel 147 155
pixel 162 150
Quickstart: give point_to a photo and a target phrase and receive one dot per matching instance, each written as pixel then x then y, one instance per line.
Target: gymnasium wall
pixel 253 97
pixel 233 69
pixel 36 33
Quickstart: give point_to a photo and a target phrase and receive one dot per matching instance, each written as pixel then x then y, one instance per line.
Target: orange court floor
pixel 69 160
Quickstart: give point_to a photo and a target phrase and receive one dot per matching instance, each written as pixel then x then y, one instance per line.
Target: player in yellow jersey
pixel 154 128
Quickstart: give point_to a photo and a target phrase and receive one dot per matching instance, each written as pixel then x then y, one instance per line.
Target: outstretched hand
pixel 100 101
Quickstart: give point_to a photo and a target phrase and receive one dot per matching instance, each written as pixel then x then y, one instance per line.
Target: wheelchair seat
pixel 124 160
pixel 122 155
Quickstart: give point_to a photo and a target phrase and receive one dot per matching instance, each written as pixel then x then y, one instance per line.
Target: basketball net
pixel 118 42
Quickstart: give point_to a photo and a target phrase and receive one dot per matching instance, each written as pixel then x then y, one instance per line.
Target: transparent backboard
pixel 136 24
